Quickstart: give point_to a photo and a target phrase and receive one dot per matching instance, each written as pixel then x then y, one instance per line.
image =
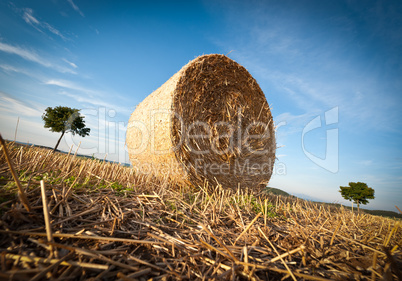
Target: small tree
pixel 357 192
pixel 62 119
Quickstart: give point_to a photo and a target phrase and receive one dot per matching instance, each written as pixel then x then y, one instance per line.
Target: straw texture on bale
pixel 209 124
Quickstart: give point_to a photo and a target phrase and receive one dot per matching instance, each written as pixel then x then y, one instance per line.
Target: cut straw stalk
pixel 37 260
pixel 84 237
pixel 215 249
pixel 298 249
pixel 279 256
pixel 132 276
pixel 94 254
pixel 356 242
pixel 46 212
pixel 247 228
pixel 152 265
pixel 46 215
pixel 21 192
pixel 334 234
pixel 264 267
pixel 53 266
pixel 220 243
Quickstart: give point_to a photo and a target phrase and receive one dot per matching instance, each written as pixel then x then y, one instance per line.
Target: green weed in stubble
pixel 267 209
pixel 70 180
pixel 246 202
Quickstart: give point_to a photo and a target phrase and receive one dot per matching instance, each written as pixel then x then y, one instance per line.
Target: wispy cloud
pixel 32 56
pixel 24 53
pixel 86 95
pixel 70 63
pixel 70 85
pixel 313 93
pixel 88 99
pixel 10 68
pixel 15 106
pixel 28 16
pixel 75 7
pixel 289 124
pixel 314 72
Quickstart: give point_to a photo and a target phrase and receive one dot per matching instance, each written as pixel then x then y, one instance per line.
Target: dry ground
pixel 103 222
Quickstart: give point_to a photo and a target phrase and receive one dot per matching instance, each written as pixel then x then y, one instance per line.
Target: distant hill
pixel 389 214
pixel 276 191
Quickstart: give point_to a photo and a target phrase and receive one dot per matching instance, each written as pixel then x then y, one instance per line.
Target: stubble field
pixel 102 221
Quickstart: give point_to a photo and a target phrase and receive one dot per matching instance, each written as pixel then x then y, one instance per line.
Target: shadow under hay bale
pixel 209 124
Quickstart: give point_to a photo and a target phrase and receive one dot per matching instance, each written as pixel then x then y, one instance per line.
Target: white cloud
pixel 311 75
pixel 357 97
pixel 75 7
pixel 29 18
pixel 88 99
pixel 32 56
pixel 15 106
pixel 69 85
pixel 70 63
pixel 34 22
pixel 86 95
pixel 288 124
pixel 24 53
pixel 34 74
pixel 29 130
pixel 53 30
pixel 10 68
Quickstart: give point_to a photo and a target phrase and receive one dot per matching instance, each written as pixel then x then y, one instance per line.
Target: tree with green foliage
pixel 62 119
pixel 357 192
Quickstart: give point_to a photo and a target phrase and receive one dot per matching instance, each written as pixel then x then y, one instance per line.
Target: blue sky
pixel 331 70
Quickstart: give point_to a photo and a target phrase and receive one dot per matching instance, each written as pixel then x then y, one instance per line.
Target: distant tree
pixel 357 192
pixel 62 119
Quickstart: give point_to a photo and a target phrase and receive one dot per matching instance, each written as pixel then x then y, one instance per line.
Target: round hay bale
pixel 209 124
